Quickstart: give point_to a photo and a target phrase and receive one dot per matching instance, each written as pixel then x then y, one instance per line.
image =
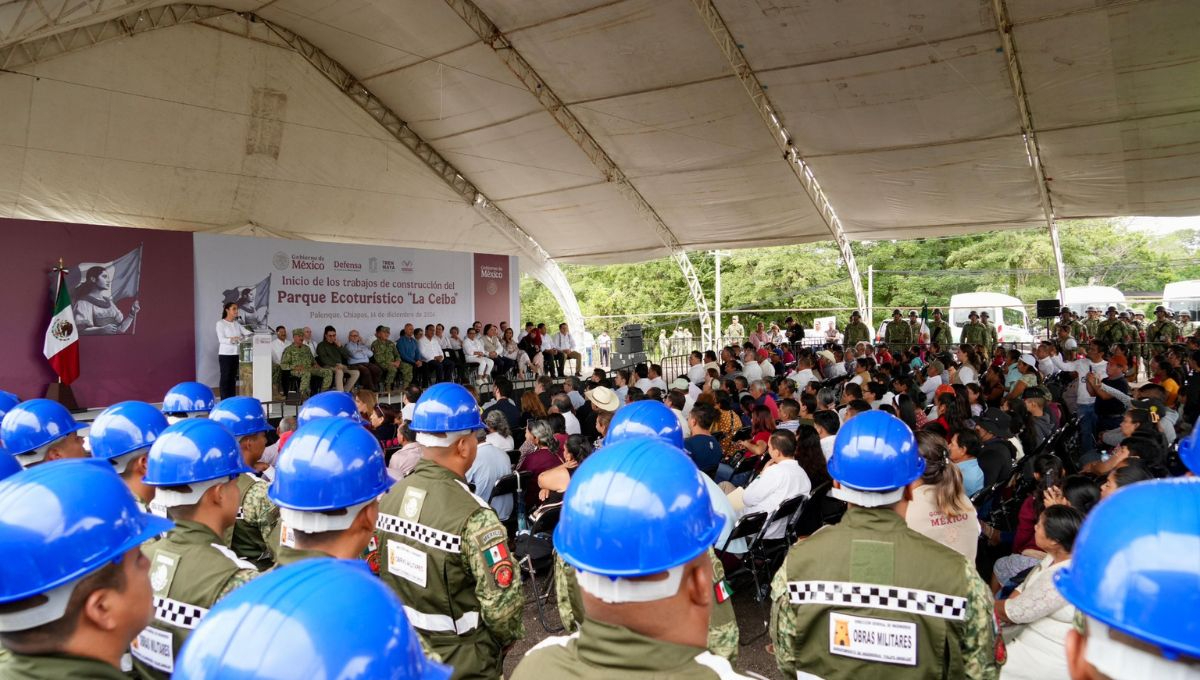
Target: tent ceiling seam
pixel 1013 64
pixel 491 36
pixel 773 119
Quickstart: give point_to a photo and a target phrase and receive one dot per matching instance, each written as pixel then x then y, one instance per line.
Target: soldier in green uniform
pixel 920 607
pixel 1067 320
pixel 856 331
pixel 388 358
pixel 321 619
pixel 1112 330
pixel 939 331
pixel 327 489
pixel 1091 325
pixel 898 335
pixel 255 534
pixel 992 338
pixel 1163 332
pixel 974 333
pixel 636 421
pixel 645 577
pixel 444 551
pixel 195 466
pixel 914 322
pixel 299 360
pixel 75 613
pixel 122 435
pixel 1186 327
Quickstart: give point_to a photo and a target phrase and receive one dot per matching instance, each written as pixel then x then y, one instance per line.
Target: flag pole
pixel 57 289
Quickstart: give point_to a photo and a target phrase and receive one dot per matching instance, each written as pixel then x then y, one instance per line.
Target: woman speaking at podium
pixel 229 338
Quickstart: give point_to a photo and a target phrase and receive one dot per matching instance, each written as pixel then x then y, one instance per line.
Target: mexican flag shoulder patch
pixel 495 554
pixel 722 590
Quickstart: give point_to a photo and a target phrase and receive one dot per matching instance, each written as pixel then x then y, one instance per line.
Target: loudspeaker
pixel 1048 309
pixel 630 341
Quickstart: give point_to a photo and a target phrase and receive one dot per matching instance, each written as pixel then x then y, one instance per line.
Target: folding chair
pixel 534 550
pixel 747 526
pixel 810 518
pixel 512 485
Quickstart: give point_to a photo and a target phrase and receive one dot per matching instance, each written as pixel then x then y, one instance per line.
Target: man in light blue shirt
pixel 964 444
pixel 360 359
pixel 490 465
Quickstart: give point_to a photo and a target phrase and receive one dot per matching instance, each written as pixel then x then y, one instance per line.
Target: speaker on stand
pixel 629 347
pixel 1048 309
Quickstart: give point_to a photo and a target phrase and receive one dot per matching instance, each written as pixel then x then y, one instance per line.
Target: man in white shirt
pixel 656 379
pixel 565 344
pixel 1085 402
pixel 803 374
pixel 933 380
pixel 1045 352
pixel 696 370
pixel 436 365
pixel 279 344
pixel 826 423
pixel 642 371
pixel 308 340
pixel 475 353
pixel 781 479
pixel 764 364
pixel 561 403
pixel 604 343
pixel 750 368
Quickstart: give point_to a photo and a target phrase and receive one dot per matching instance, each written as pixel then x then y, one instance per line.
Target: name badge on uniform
pixel 155 648
pixel 286 536
pixel 880 640
pixel 406 562
pixel 410 507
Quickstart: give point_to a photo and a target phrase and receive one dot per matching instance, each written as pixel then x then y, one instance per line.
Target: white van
pixel 1006 312
pixel 1079 298
pixel 1183 296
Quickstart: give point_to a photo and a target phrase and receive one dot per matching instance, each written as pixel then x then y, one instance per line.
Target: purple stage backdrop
pixel 132 297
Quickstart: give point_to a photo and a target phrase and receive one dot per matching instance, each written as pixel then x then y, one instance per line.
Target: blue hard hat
pixel 193 451
pixel 293 622
pixel 331 463
pixel 446 407
pixel 645 418
pixel 326 404
pixel 8 465
pixel 1189 451
pixel 33 424
pixel 875 452
pixel 63 521
pixel 7 401
pixel 635 508
pixel 125 427
pixel 240 415
pixel 189 397
pixel 1136 564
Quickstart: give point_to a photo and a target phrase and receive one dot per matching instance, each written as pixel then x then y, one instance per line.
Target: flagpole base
pixel 62 393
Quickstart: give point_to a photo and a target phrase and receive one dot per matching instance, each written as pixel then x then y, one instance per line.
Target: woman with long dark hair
pixel 229 338
pixel 940 508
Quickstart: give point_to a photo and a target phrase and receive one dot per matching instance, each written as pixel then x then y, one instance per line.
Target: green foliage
pixel 1016 262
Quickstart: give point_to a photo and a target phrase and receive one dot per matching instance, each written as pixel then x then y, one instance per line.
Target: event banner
pixel 309 284
pixel 131 299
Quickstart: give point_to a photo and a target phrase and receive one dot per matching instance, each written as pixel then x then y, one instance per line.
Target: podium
pixel 254 369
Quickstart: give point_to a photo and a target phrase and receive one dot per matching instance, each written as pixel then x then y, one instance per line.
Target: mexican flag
pixel 61 346
pixel 495 554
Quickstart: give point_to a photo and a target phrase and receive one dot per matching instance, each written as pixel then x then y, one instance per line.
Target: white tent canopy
pixel 906 113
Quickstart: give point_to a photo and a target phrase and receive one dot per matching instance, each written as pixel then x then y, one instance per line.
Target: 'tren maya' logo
pixel 388 265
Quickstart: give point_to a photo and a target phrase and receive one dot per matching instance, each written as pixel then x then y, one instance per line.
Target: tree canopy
pixel 811 276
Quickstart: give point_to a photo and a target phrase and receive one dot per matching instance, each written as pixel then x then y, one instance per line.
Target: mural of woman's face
pixel 101 280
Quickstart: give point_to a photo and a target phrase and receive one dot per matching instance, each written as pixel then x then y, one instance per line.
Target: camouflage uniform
pixel 856 332
pixel 723 633
pixel 898 335
pixel 190 570
pixel 299 360
pixel 874 546
pixel 444 552
pixel 1160 334
pixel 974 333
pixel 1092 327
pixel 991 338
pixel 255 534
pixel 1113 331
pixel 385 353
pixel 939 333
pixel 1075 328
pixel 1187 329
